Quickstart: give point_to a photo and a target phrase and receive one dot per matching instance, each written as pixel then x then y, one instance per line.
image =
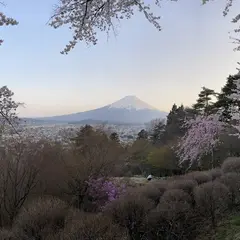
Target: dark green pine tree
pixel 143 134
pixel 157 132
pixel 204 102
pixel 224 102
pixel 174 125
pixel 82 134
pixel 114 137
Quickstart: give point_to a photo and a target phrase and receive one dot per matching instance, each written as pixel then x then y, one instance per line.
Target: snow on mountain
pixel 131 102
pixel 129 109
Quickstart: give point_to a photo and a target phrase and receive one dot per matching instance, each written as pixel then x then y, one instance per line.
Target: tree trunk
pixel 212 159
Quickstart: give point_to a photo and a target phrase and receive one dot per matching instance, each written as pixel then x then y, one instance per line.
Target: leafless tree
pixel 18 176
pixel 8 107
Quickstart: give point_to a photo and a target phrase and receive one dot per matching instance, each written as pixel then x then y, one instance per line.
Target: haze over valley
pixel 126 117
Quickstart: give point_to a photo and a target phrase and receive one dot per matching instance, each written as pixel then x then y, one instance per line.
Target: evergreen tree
pixel 175 120
pixel 157 131
pixel 204 102
pixel 114 137
pixel 143 134
pixel 226 102
pixel 84 132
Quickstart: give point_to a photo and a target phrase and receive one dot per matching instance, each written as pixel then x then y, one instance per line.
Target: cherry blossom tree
pixel 85 17
pixel 201 138
pixel 6 21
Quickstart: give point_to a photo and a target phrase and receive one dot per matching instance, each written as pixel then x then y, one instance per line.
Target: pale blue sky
pixel 161 68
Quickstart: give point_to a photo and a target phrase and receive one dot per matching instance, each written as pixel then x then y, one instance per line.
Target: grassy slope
pixel 227 230
pixel 230 230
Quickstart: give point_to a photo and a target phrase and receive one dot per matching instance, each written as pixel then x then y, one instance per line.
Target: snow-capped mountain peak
pixel 131 103
pixel 129 109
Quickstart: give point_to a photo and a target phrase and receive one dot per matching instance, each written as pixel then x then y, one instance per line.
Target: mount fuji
pixel 129 109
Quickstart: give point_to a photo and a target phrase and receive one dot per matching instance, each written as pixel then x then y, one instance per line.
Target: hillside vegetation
pixel 49 191
pixel 85 187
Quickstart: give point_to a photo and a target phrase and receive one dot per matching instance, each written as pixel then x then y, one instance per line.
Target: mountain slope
pixel 129 109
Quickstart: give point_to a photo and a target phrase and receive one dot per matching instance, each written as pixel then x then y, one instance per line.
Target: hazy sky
pixel 161 68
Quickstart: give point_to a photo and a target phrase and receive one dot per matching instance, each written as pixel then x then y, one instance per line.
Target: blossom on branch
pixel 201 138
pixel 103 191
pixel 85 17
pixel 6 21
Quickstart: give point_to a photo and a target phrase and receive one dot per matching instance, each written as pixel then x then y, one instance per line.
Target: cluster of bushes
pixel 48 191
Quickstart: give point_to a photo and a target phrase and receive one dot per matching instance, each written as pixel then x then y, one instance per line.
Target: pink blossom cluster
pixel 103 191
pixel 201 138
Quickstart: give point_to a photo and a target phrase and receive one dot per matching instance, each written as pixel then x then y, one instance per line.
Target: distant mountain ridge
pixel 129 109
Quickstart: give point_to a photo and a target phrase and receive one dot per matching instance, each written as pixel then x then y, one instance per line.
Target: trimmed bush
pixel 7 235
pixel 84 226
pixel 174 202
pixel 187 185
pixel 172 216
pixel 215 173
pixel 212 199
pixel 41 218
pixel 130 212
pixel 232 181
pixel 231 164
pixel 153 191
pixel 199 177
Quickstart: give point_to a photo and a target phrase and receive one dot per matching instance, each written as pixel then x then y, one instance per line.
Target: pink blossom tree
pixel 103 191
pixel 86 17
pixel 201 138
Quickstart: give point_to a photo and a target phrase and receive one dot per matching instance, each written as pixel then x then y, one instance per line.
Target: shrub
pixel 232 181
pixel 212 200
pixel 199 177
pixel 154 191
pixel 130 212
pixel 215 173
pixel 187 185
pixel 84 226
pixel 173 202
pixel 102 191
pixel 231 164
pixel 171 217
pixel 7 235
pixel 41 218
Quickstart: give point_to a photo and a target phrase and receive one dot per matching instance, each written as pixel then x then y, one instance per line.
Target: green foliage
pixel 138 154
pixel 163 159
pixel 204 102
pixel 229 229
pixel 174 125
pixel 143 134
pixel 224 102
pixel 114 137
pixel 157 132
